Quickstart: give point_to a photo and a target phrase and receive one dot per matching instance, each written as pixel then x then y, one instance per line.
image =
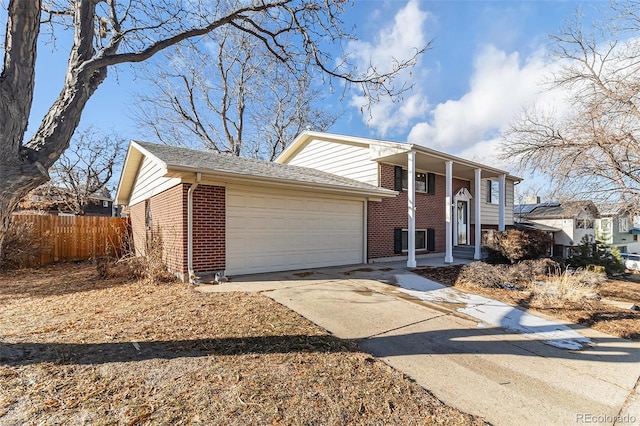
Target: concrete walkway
pixel 504 376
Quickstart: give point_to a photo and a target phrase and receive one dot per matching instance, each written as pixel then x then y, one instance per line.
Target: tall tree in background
pixel 243 101
pixel 593 149
pixel 86 168
pixel 106 33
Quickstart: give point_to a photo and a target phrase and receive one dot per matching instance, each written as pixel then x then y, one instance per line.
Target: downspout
pixel 192 276
pixel 365 238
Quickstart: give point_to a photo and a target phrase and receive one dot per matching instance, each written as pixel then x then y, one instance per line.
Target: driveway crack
pixel 633 393
pixel 407 325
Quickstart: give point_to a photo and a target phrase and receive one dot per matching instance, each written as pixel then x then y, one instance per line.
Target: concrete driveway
pixel 504 376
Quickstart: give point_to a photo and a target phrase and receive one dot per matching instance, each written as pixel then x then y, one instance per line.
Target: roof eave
pixel 133 161
pixel 180 171
pixel 122 194
pixel 444 156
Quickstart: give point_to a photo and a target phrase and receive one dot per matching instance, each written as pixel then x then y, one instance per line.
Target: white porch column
pixel 501 200
pixel 454 221
pixel 448 256
pixel 477 255
pixel 411 197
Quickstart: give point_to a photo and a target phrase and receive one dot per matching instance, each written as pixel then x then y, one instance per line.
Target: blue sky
pixel 486 61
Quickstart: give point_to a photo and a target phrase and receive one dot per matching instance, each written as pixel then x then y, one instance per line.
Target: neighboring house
pixel 51 200
pixel 615 228
pixel 327 200
pixel 569 222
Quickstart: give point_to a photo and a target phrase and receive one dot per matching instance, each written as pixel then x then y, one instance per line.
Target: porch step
pixel 467 252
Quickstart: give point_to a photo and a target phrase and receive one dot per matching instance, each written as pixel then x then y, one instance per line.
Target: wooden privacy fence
pixel 71 238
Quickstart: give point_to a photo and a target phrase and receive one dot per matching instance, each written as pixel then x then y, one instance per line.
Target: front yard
pixel 75 349
pixel 607 312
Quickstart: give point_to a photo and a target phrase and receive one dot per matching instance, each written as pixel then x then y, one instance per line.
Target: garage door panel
pixel 271 232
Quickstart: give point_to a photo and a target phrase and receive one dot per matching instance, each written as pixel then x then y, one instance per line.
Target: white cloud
pixel 394 42
pixel 485 152
pixel 499 87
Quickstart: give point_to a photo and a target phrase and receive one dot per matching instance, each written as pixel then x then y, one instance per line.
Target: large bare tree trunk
pixel 25 166
pixel 16 95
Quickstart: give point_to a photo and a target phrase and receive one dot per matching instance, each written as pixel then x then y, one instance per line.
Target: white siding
pixel 567 236
pixel 149 182
pixel 350 161
pixel 489 212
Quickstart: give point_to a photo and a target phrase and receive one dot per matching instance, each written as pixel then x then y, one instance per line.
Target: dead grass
pixel 624 291
pixel 567 301
pixel 78 350
pixel 576 287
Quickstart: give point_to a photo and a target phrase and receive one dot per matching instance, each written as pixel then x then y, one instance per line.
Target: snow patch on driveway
pixel 493 312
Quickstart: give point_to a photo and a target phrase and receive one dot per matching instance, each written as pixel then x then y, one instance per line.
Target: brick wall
pixel 391 213
pixel 209 225
pixel 169 217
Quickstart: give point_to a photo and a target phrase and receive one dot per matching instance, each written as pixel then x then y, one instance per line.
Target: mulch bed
pixel 75 349
pixel 601 316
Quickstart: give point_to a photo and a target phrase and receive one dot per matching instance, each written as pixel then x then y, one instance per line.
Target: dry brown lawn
pixel 601 316
pixel 78 350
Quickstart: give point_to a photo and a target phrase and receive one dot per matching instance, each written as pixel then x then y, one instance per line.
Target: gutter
pixel 192 276
pixel 373 192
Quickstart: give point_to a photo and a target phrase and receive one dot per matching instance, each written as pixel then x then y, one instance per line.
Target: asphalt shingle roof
pixel 613 209
pixel 222 163
pixel 567 209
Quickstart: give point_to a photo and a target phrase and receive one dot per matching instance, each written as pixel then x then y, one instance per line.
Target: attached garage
pixel 286 230
pixel 219 213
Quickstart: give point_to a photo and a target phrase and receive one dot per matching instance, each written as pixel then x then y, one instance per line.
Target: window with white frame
pixel 623 224
pixel 584 224
pixel 606 226
pixel 421 239
pixel 493 191
pixel 425 182
pixel 421 181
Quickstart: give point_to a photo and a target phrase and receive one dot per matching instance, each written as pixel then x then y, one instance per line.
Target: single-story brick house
pixel 327 200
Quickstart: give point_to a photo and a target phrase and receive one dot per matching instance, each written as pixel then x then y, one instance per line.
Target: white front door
pixel 462 215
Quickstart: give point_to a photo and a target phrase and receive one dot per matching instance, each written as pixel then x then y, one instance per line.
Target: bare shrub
pixel 533 270
pixel 591 278
pixel 104 266
pixel 483 275
pixel 150 267
pixel 23 246
pixel 516 245
pixel 573 286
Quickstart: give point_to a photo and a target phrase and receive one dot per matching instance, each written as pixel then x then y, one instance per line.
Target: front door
pixel 462 222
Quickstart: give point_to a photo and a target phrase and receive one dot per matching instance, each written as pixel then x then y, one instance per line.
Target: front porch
pixel 466 211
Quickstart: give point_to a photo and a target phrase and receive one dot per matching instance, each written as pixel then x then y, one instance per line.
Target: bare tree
pixel 83 172
pixel 107 33
pixel 242 102
pixel 86 168
pixel 593 149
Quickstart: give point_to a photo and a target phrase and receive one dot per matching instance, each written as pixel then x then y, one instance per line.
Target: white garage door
pixel 282 231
